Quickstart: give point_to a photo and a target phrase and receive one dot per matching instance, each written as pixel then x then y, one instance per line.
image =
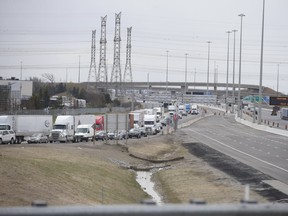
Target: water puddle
pixel 144 179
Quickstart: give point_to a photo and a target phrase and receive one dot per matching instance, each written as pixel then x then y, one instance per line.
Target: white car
pixel 7 136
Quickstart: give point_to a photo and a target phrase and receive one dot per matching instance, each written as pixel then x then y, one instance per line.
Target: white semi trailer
pixel 26 125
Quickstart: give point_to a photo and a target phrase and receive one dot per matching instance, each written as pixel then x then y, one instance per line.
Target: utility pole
pixel 261 67
pixel 240 62
pixel 167 75
pixel 278 81
pixel 208 66
pixel 79 71
pixel 186 72
pixel 233 92
pixel 227 75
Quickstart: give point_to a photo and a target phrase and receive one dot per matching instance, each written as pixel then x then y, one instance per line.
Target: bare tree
pixel 50 77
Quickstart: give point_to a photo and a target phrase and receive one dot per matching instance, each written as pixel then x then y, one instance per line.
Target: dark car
pixel 101 135
pixel 134 133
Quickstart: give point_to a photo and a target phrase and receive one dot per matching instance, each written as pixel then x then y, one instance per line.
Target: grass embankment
pixel 64 175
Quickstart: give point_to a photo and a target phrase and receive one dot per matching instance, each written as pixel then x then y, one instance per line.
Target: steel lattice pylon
pixel 102 72
pixel 128 71
pixel 92 70
pixel 116 70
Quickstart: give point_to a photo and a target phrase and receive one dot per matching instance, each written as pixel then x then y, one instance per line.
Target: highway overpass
pixel 189 87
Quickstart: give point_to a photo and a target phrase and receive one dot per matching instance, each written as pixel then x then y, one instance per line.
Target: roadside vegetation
pixel 43 91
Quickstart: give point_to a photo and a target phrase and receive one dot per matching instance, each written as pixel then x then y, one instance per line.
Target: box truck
pixel 137 116
pixel 26 125
pixel 84 132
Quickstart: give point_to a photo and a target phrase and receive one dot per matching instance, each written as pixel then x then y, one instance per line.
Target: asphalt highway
pixel 263 151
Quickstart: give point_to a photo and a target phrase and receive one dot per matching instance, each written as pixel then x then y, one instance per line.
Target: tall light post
pixel 233 92
pixel 240 62
pixel 227 75
pixel 186 72
pixel 278 81
pixel 208 65
pixel 261 68
pixel 167 74
pixel 195 78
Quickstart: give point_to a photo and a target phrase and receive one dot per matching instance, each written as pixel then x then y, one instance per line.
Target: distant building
pixel 13 91
pixel 68 102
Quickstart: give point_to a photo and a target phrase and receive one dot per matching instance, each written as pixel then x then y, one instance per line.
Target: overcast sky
pixel 50 36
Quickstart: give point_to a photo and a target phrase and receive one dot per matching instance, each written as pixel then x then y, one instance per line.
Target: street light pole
pixel 233 92
pixel 195 78
pixel 261 68
pixel 167 75
pixel 208 65
pixel 227 75
pixel 240 61
pixel 186 72
pixel 278 81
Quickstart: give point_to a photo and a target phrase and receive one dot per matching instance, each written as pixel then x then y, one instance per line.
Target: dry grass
pixel 63 175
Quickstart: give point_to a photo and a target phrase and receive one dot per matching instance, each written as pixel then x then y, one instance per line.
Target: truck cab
pixel 149 124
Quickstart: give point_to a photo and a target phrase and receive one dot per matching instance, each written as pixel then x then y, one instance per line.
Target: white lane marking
pixel 221 143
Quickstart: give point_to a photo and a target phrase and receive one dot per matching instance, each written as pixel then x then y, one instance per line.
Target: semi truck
pixel 100 123
pixel 64 127
pixel 149 124
pixel 194 109
pixel 182 110
pixel 188 108
pixel 26 125
pixel 158 112
pixel 171 110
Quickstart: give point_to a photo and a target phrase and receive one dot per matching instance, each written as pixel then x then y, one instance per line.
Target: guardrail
pixel 193 209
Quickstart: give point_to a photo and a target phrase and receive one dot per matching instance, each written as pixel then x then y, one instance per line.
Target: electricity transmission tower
pixel 92 70
pixel 116 70
pixel 102 72
pixel 128 71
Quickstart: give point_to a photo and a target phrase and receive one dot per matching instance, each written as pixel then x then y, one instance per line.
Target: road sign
pixel 94 126
pixel 279 101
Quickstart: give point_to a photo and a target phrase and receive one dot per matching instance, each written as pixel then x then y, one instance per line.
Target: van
pixel 84 133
